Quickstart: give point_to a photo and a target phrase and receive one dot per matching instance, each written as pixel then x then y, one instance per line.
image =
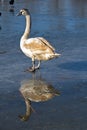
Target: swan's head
pixel 23 12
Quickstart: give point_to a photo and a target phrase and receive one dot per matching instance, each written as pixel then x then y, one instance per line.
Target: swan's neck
pixel 28 108
pixel 27 29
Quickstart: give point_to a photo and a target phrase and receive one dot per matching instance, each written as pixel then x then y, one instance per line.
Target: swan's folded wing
pixel 38 45
pixel 46 43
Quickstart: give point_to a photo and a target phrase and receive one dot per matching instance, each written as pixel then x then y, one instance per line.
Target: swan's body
pixel 36 48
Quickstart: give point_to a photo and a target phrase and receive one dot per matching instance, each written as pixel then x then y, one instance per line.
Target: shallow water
pixel 64 24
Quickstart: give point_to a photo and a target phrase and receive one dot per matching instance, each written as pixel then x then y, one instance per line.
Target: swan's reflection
pixel 36 90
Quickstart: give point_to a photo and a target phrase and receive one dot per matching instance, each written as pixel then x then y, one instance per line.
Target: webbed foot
pixel 31 69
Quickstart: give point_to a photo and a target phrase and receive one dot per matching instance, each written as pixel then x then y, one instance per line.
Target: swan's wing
pixel 46 43
pixel 38 45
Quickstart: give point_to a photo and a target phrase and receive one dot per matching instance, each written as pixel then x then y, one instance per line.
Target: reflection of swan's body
pixel 36 48
pixel 37 91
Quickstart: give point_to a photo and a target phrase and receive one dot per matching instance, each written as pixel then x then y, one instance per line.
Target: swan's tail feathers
pixel 57 55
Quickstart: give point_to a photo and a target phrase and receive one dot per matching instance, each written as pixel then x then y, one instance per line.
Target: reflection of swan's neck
pixel 28 108
pixel 28 111
pixel 27 29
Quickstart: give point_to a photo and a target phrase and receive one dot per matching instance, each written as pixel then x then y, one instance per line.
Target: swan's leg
pixel 38 66
pixel 32 69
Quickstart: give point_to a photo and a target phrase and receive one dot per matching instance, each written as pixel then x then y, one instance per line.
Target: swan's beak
pixel 19 14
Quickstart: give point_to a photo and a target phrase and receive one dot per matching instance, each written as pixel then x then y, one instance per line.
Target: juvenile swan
pixel 36 48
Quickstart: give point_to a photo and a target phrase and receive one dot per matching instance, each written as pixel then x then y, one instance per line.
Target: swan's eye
pixel 21 11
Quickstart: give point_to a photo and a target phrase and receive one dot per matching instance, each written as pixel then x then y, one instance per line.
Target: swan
pixel 36 48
